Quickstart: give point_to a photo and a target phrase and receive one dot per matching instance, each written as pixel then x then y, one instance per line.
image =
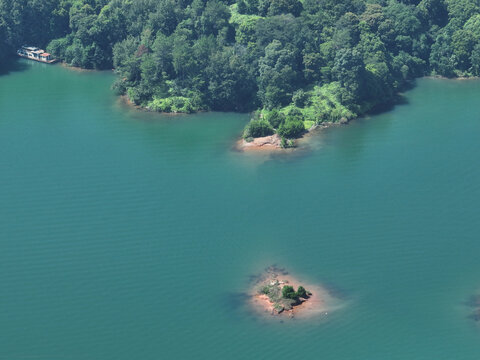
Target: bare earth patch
pixel 271 142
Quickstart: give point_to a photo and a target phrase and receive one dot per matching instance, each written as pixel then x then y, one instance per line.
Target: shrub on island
pixel 288 292
pixel 295 113
pixel 302 292
pixel 258 128
pixel 291 129
pixel 275 118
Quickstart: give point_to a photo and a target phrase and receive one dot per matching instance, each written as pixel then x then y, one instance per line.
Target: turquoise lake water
pixel 132 235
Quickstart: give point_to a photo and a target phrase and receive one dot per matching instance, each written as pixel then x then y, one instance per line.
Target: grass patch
pixel 173 104
pixel 236 18
pixel 308 124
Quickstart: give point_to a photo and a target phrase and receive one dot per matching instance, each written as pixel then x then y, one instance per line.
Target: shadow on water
pixel 473 304
pixel 238 307
pixel 236 304
pixel 236 300
pixel 350 142
pixel 12 65
pixel 397 100
pixel 336 291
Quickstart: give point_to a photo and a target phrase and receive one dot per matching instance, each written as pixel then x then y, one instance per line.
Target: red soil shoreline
pixel 272 143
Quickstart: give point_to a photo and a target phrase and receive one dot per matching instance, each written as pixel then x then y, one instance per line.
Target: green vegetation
pixel 291 129
pixel 302 292
pixel 258 128
pixel 288 292
pixel 328 60
pixel 283 298
pixel 173 104
pixel 33 22
pixel 287 143
pixel 275 118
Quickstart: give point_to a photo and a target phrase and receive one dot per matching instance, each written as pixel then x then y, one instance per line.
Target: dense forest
pixel 300 62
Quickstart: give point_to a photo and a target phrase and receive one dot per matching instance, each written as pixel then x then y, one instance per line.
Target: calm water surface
pixel 130 235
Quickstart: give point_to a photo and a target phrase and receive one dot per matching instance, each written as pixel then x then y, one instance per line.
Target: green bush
pixel 289 293
pixel 173 104
pixel 258 128
pixel 308 124
pixel 119 87
pixel 300 98
pixel 286 144
pixel 275 118
pixel 302 292
pixel 294 114
pixel 134 95
pixel 58 47
pixel 265 290
pixel 291 129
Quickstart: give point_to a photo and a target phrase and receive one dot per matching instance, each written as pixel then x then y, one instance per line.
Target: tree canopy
pixel 329 60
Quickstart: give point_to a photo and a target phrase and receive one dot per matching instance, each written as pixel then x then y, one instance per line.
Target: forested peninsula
pixel 293 63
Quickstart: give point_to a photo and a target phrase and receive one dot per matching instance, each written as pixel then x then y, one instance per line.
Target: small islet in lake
pixel 277 292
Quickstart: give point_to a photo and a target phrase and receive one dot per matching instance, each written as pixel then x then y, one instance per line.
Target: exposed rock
pixel 272 141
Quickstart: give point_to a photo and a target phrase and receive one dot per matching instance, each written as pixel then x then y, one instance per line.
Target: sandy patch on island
pixel 270 143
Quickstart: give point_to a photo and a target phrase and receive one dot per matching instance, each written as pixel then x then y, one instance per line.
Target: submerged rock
pixel 474 302
pixel 475 316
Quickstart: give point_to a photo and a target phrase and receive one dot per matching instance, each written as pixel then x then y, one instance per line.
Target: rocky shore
pixel 274 142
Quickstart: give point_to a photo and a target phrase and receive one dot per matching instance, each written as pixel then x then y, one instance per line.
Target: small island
pixel 276 292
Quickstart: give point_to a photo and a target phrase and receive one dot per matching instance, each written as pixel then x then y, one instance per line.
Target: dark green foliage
pixel 291 129
pixel 331 59
pixel 275 118
pixel 277 76
pixel 302 292
pixel 258 128
pixel 288 292
pixel 475 59
pixel 278 7
pixel 31 21
pixel 299 98
pixel 349 70
pixel 294 114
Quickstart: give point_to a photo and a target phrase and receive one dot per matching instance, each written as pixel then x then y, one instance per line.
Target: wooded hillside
pixel 312 60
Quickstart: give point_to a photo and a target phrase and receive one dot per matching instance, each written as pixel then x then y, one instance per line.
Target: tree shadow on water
pixel 10 65
pixel 397 100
